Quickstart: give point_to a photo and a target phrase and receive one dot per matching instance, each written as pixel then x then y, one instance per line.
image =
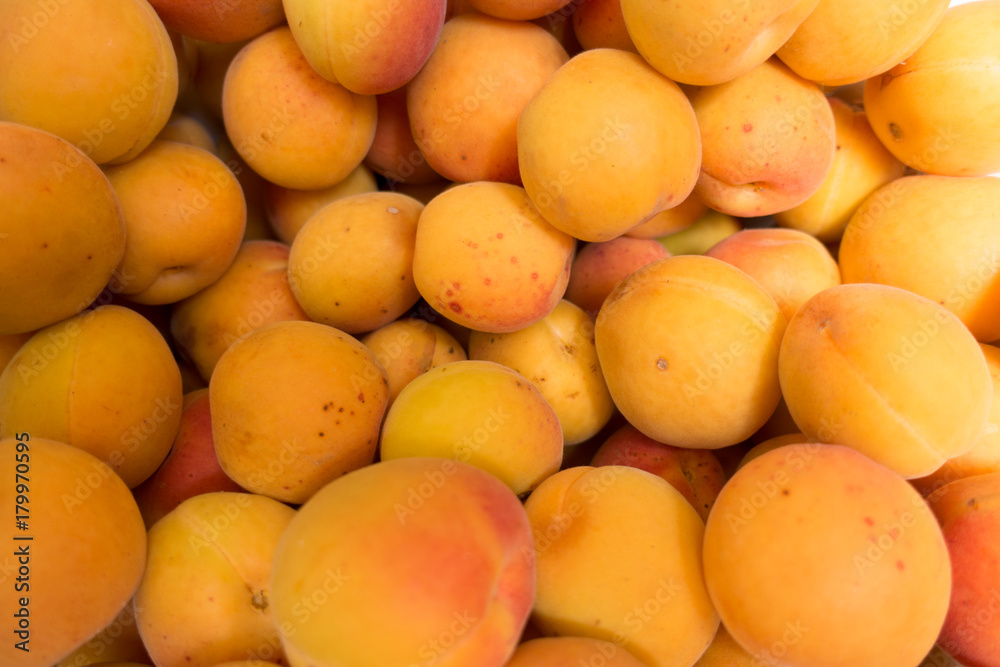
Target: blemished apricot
pixel 94 553
pixel 464 104
pixel 689 348
pixel 769 139
pixel 292 126
pixel 711 42
pixel 934 110
pixel 397 547
pixel 816 555
pixel 618 555
pixel 887 372
pixel 110 117
pixel 486 259
pixel 185 215
pixel 861 165
pixel 844 43
pixel 592 145
pixel 329 380
pixel 104 381
pixel 62 229
pixel 957 265
pixel 481 413
pixel 368 46
pixel 351 264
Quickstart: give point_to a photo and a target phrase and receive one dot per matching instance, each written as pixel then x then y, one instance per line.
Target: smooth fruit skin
pixel 887 372
pixel 205 597
pixel 969 513
pixel 816 555
pixel 711 42
pixel 571 652
pixel 593 145
pixel 328 379
pixel 618 552
pixel 843 43
pixel 934 111
pixel 689 349
pixel 87 552
pixel 62 229
pixel 599 267
pixel 105 381
pixel 368 46
pixel 427 551
pixel 103 76
pixel 895 237
pixel 219 21
pixel 288 210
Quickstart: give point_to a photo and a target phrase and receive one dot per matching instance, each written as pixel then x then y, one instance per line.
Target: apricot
pixel 481 413
pixel 367 46
pixel 968 511
pixel 557 354
pixel 397 549
pixel 104 381
pixel 101 76
pixel 816 555
pixel 465 103
pixel 486 259
pixel 696 473
pixel 517 10
pixel 672 220
pixel 253 291
pixel 933 110
pixel 887 372
pixel 711 42
pixel 186 129
pixel 119 640
pixel 843 43
pixel 618 555
pixel 570 652
pixel 599 267
pixel 206 595
pixel 592 145
pixel 62 229
pixel 219 21
pixel 984 457
pixel 770 444
pixel 288 210
pixel 791 265
pixel 190 469
pixel 860 166
pixel 351 264
pixel 333 385
pixel 958 267
pixel 86 553
pixel 410 347
pixel 724 651
pixel 394 153
pixel 292 126
pixel 769 140
pixel 689 349
pixel 184 217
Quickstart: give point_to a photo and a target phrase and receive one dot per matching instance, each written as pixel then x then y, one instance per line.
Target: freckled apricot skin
pixel 81 517
pixel 864 572
pixel 329 380
pixel 486 259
